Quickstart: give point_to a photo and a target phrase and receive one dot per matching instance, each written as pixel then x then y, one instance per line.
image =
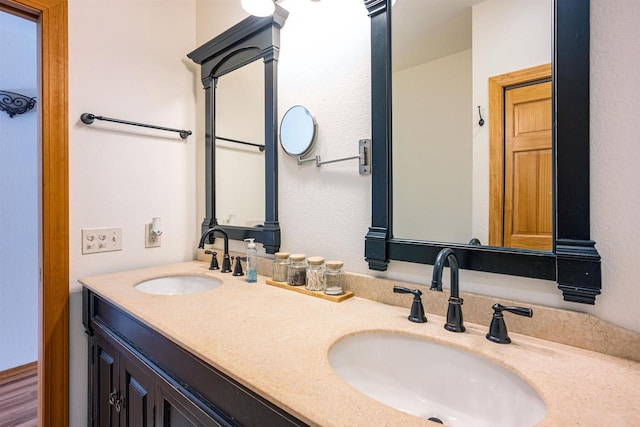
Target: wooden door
pixel 520 159
pixel 528 161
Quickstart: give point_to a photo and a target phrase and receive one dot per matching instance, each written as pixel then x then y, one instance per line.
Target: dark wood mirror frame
pixel 574 263
pixel 250 40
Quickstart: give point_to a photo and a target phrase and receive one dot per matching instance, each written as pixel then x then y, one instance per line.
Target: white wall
pixel 127 60
pixel 432 162
pixel 615 155
pixel 19 189
pixel 507 36
pixel 324 65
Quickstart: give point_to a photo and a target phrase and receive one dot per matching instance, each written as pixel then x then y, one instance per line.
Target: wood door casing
pixel 528 193
pixel 53 340
pixel 498 86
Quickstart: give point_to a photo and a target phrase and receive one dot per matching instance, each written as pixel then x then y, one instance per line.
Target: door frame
pixel 53 292
pixel 497 86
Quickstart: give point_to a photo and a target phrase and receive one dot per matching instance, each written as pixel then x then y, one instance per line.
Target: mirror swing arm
pixel 251 39
pixel 363 157
pixel 574 262
pixel 298 130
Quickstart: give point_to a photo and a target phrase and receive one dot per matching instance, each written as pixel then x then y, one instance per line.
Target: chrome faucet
pixel 454 312
pixel 226 261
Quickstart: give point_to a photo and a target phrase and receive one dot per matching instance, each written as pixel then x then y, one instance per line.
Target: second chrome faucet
pixel 454 311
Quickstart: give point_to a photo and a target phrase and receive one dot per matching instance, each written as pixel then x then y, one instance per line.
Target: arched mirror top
pixel 252 38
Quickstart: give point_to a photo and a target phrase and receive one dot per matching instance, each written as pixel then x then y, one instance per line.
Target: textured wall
pixel 19 211
pixel 127 59
pixel 615 155
pixel 129 62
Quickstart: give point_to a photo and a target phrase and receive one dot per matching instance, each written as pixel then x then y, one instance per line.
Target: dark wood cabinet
pixel 123 392
pixel 137 394
pixel 105 387
pixel 139 378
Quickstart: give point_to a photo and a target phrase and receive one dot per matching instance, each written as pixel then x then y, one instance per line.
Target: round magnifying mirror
pixel 297 131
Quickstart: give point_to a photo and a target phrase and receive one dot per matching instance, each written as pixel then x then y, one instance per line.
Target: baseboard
pixel 19 370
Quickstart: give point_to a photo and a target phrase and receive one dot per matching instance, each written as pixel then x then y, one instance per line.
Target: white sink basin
pixel 428 380
pixel 178 285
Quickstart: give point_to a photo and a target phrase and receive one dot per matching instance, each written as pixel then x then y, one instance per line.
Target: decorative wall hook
pixel 481 121
pixel 14 103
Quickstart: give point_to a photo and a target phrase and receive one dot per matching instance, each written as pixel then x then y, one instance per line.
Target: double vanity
pixel 236 353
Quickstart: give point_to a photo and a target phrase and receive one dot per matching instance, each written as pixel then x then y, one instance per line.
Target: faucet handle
pixel 214 260
pixel 417 310
pixel 497 328
pixel 237 267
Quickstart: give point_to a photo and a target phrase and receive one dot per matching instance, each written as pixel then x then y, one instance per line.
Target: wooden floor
pixel 19 396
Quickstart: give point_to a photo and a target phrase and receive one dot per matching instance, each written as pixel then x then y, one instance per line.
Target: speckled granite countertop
pixel 276 343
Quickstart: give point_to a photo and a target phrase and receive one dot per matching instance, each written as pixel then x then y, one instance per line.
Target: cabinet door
pixel 137 391
pixel 105 387
pixel 176 410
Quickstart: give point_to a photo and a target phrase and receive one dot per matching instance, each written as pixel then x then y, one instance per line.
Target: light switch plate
pixel 95 240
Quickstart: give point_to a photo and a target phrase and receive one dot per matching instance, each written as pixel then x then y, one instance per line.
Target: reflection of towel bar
pixel 260 146
pixel 364 165
pixel 87 119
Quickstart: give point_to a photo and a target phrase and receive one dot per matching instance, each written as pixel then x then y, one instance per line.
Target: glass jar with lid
pixel 334 278
pixel 315 274
pixel 280 267
pixel 297 270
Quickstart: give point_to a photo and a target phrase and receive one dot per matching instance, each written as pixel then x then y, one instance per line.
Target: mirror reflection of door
pixel 527 200
pixel 443 53
pixel 520 147
pixel 240 171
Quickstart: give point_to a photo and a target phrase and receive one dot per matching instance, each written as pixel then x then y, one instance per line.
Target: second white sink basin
pixel 178 285
pixel 434 381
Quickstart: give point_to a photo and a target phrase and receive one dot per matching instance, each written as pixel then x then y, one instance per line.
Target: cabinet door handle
pixel 112 397
pixel 119 403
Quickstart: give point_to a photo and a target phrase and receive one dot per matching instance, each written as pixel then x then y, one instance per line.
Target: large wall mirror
pixel 481 138
pixel 239 75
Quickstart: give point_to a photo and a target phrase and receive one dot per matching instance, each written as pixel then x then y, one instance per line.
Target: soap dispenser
pixel 252 261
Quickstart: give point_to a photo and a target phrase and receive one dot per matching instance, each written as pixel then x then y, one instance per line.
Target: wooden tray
pixel 317 294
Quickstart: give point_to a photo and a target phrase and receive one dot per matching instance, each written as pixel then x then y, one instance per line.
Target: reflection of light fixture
pixel 262 7
pixel 14 103
pixel 258 7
